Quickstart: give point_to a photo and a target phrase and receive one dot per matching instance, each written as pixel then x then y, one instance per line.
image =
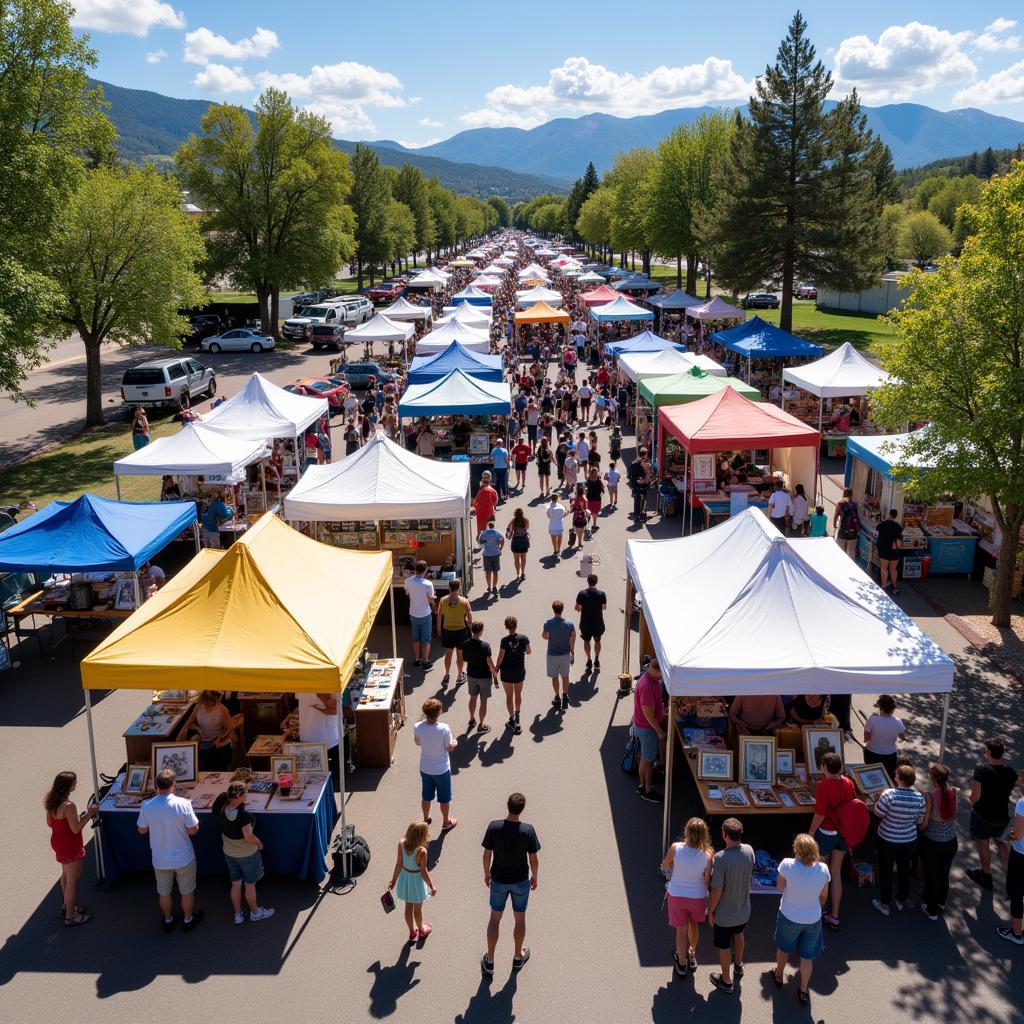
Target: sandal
pixel 78 910
pixel 73 922
pixel 451 823
pixel 804 996
pixel 775 978
pixel 425 931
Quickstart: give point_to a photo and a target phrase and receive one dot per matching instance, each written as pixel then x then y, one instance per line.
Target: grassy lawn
pixel 83 464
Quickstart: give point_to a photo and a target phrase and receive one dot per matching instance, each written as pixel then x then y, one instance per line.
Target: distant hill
pixel 561 148
pixel 151 126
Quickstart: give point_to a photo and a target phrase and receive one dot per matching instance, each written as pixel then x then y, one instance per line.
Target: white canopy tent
pixel 403 309
pixel 636 365
pixel 262 411
pixel 441 337
pixel 707 364
pixel 428 279
pixel 380 328
pixel 533 272
pixel 841 374
pixel 466 315
pixel 590 277
pixel 531 296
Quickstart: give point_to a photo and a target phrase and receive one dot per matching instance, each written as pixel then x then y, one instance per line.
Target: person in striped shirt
pixel 900 810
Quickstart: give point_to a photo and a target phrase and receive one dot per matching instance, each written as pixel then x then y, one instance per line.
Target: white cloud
pixel 995 37
pixel 340 92
pixel 1006 86
pixel 418 145
pixel 218 79
pixel 426 122
pixel 133 17
pixel 155 56
pixel 578 86
pixel 202 46
pixel 415 99
pixel 906 59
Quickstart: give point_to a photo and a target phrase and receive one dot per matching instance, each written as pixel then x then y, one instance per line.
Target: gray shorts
pixel 492 563
pixel 559 665
pixel 479 686
pixel 185 876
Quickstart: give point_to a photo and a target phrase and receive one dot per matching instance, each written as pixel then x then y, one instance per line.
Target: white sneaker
pixel 239 918
pixel 877 904
pixel 261 913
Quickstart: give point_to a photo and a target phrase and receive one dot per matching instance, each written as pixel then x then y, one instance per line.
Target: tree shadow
pixel 391 983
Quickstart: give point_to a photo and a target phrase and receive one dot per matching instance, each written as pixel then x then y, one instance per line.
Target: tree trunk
pixel 645 258
pixel 275 301
pixel 786 312
pixel 707 290
pixel 1002 591
pixel 679 270
pixel 691 273
pixel 93 382
pixel 263 298
pixel 359 274
pixel 632 261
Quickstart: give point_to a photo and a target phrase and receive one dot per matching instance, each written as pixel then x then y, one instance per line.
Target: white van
pixel 358 309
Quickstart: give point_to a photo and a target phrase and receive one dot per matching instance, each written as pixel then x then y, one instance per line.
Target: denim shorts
pixel 421 628
pixel 492 563
pixel 806 940
pixel 519 891
pixel 439 786
pixel 245 869
pixel 827 842
pixel 649 746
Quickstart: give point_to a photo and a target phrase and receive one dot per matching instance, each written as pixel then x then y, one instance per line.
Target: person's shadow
pixel 486 1007
pixel 391 983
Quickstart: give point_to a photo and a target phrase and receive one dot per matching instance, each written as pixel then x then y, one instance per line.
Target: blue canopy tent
pixel 473 295
pixel 92 534
pixel 483 366
pixel 678 300
pixel 636 283
pixel 646 341
pixel 758 339
pixel 456 394
pixel 620 309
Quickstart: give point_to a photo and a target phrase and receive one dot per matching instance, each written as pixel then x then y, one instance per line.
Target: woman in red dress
pixel 66 826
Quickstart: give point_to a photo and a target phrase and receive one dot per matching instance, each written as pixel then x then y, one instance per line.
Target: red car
pixel 387 291
pixel 317 387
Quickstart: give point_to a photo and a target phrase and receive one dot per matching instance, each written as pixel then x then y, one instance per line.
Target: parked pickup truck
pixel 386 291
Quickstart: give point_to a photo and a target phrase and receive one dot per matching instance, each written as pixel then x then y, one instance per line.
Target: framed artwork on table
pixel 735 796
pixel 785 761
pixel 180 757
pixel 820 740
pixel 757 759
pixel 309 757
pixel 136 779
pixel 870 778
pixel 714 764
pixel 282 764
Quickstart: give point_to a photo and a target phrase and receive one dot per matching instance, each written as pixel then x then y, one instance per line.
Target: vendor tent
pixel 262 411
pixel 674 303
pixel 380 328
pixel 690 386
pixel 455 357
pixel 532 296
pixel 707 364
pixel 880 452
pixel 403 309
pixel 472 294
pixel 620 309
pixel 93 534
pixel 542 313
pixel 599 296
pixel 590 277
pixel 443 335
pixel 195 450
pixel 464 315
pixel 636 365
pixel 487 282
pixel 457 393
pixel 841 374
pixel 636 283
pixel 429 279
pixel 381 480
pixel 758 339
pixel 646 341
pixel 716 309
pixel 534 270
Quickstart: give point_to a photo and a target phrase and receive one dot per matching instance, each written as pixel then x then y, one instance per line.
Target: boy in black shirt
pixel 591 603
pixel 480 673
pixel 889 534
pixel 991 789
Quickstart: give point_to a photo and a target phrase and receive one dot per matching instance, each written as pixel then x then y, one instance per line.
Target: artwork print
pixel 757 759
pixel 309 757
pixel 714 764
pixel 135 779
pixel 180 757
pixel 817 743
pixel 785 761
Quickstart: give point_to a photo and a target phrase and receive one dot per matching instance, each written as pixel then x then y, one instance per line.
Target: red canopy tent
pixel 726 421
pixel 599 296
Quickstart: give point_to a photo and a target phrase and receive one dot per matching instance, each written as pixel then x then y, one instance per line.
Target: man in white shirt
pixel 170 822
pixel 318 723
pixel 435 740
pixel 780 506
pixel 351 404
pixel 421 612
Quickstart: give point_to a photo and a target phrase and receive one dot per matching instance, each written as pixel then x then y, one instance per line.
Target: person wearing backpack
pixel 834 790
pixel 847 523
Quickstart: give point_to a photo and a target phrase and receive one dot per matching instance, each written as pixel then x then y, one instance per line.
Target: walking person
pixel 798 522
pixel 411 878
pixel 780 508
pixel 890 534
pixel 729 902
pixel 521 453
pixel 422 599
pixel 435 740
pixel 242 849
pixel 491 543
pixel 846 522
pixel 639 482
pixel 881 731
pixel 170 822
pixel 901 810
pixel 510 870
pixel 580 516
pixel 511 666
pixel 612 478
pixel 500 457
pixel 485 502
pixel 556 522
pixel 595 492
pixel 560 634
pixel 454 617
pixel 518 535
pixel 66 825
pixel 803 879
pixel 834 790
pixel 1013 851
pixel 480 674
pixel 140 428
pixel 648 726
pixel 570 469
pixel 544 467
pixel 938 840
pixel 688 864
pixel 991 789
pixel 591 603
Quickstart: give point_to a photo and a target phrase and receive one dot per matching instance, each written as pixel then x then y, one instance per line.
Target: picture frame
pixel 763 795
pixel 124 595
pixel 803 797
pixel 757 759
pixel 715 764
pixel 735 796
pixel 309 757
pixel 136 780
pixel 181 756
pixel 818 741
pixel 282 764
pixel 785 761
pixel 870 778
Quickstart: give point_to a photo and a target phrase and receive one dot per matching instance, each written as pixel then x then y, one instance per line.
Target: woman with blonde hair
pixel 689 865
pixel 803 881
pixel 413 878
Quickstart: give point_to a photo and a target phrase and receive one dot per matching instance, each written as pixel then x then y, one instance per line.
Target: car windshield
pixel 318 385
pixel 143 375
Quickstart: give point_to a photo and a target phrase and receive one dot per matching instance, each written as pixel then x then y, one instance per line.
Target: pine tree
pixel 370 198
pixel 582 189
pixel 987 164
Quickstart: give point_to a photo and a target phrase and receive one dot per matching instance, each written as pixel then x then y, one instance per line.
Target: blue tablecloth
pixel 294 843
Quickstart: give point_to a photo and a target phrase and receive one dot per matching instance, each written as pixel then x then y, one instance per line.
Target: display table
pixel 157 724
pixel 716 506
pixel 296 833
pixel 378 700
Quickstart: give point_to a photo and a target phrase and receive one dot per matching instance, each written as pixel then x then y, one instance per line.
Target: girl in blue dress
pixel 411 880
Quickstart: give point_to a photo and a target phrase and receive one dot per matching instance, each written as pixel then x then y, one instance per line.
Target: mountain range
pixel 521 163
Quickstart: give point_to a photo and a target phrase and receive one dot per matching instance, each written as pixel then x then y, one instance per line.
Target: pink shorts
pixel 684 909
pixel 594 506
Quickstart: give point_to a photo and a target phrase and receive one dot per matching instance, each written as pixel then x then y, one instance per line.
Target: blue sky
pixel 419 72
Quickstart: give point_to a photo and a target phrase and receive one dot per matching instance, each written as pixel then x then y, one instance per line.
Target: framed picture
pixel 870 778
pixel 735 796
pixel 804 797
pixel 714 764
pixel 703 467
pixel 785 761
pixel 282 764
pixel 763 795
pixel 818 741
pixel 124 595
pixel 135 780
pixel 757 759
pixel 180 757
pixel 309 757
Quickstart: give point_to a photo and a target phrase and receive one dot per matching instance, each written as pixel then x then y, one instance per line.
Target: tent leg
pixel 138 590
pixel 117 485
pixel 345 851
pixel 97 833
pixel 818 490
pixel 666 813
pixel 942 731
pixel 689 494
pixel 394 639
pixel 628 618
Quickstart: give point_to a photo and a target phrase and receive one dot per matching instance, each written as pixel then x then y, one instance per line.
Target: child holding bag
pixel 411 880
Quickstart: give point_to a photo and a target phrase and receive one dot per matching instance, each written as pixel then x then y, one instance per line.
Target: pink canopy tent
pixel 599 296
pixel 716 309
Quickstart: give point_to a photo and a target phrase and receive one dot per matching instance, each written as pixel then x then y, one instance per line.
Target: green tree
pixel 954 193
pixel 630 225
pixel 582 189
pixel 549 219
pixel 442 204
pixel 501 208
pixel 48 118
pixel 958 363
pixel 804 188
pixel 369 199
pixel 411 188
pixel 987 164
pixel 401 231
pixel 927 188
pixel 125 258
pixel 891 220
pixel 594 224
pixel 923 238
pixel 277 194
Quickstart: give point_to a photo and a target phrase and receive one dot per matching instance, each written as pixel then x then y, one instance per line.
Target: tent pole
pixel 817 459
pixel 263 481
pixel 669 754
pixel 689 493
pixel 97 833
pixel 138 590
pixel 345 851
pixel 945 722
pixel 117 484
pixel 627 619
pixel 394 640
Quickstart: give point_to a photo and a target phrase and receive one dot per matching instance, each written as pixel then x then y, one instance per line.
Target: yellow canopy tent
pixel 542 313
